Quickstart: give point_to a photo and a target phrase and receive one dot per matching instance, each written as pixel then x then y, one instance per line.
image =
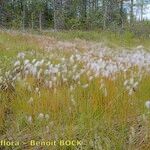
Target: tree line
pixel 67 14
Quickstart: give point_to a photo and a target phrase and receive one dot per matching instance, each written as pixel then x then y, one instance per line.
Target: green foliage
pixel 95 20
pixel 75 15
pixel 73 24
pixel 141 29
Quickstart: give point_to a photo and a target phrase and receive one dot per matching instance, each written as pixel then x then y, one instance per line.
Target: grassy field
pixel 114 40
pixel 75 86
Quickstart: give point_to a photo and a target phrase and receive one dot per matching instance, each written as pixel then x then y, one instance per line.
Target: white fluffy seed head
pixel 41 116
pixel 47 116
pixel 21 55
pixel 17 63
pixel 30 101
pixel 131 81
pixel 29 119
pixel 125 82
pixel 85 86
pixel 26 62
pixel 147 104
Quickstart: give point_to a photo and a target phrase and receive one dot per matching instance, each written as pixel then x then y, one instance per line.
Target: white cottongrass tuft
pixel 37 90
pixel 85 86
pixel 29 119
pixel 21 55
pixel 17 63
pixel 41 116
pixel 147 104
pixel 47 116
pixel 26 62
pixel 30 101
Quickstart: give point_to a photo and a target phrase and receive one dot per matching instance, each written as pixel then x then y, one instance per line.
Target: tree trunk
pixel 32 21
pixel 58 15
pixel 83 9
pixel 104 14
pixel 121 13
pixel 1 20
pixel 23 18
pixel 131 12
pixel 142 7
pixel 40 21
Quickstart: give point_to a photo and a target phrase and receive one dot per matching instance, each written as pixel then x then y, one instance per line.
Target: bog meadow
pixel 76 73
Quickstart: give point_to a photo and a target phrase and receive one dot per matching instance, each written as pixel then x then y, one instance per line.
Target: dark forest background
pixel 114 15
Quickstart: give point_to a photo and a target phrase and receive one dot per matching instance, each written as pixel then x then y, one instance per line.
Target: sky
pixel 137 10
pixel 147 13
